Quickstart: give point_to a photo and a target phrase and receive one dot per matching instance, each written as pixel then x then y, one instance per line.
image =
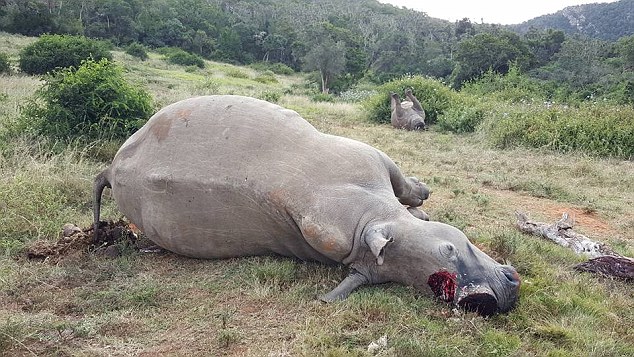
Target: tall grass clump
pixel 60 51
pixel 5 66
pixel 93 101
pixel 595 129
pixel 434 97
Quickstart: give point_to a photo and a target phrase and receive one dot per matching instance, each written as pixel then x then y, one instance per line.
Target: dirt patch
pixel 74 240
pixel 589 221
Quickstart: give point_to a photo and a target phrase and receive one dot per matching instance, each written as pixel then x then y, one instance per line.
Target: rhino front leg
pixel 351 282
pixel 409 190
pixel 418 213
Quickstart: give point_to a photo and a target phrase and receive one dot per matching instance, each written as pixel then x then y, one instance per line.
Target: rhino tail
pixel 101 181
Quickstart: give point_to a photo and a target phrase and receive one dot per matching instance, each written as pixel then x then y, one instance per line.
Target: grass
pixel 164 304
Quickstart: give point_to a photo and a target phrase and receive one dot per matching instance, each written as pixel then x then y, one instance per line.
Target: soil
pixel 112 235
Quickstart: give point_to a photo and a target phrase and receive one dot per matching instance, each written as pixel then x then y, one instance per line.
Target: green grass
pixel 164 304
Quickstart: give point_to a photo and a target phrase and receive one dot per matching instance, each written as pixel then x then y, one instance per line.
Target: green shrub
pixel 511 87
pixel 595 129
pixel 60 51
pixel 277 68
pixel 435 98
pixel 237 73
pixel 137 50
pixel 181 57
pixel 269 96
pixel 460 119
pixel 5 66
pixel 323 97
pixel 93 101
pixel 267 77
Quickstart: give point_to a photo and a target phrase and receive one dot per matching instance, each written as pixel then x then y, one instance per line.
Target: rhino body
pixel 230 176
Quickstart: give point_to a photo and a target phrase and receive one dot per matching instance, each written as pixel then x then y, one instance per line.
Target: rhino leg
pixel 418 213
pixel 409 190
pixel 351 282
pixel 416 104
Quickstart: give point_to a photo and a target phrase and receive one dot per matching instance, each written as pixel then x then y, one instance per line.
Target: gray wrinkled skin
pixel 230 176
pixel 407 115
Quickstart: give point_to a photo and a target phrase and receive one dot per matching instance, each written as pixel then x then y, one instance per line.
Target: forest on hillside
pixel 343 42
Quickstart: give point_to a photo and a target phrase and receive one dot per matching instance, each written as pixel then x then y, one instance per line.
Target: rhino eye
pixel 448 250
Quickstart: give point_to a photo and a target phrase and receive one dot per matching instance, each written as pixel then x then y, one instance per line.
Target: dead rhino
pixel 407 115
pixel 230 176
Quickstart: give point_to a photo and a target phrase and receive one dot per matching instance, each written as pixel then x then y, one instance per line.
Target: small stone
pixel 70 229
pixel 112 251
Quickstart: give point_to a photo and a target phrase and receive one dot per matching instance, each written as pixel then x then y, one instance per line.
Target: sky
pixel 504 12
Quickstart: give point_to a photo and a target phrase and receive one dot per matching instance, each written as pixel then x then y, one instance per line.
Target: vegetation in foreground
pixel 149 304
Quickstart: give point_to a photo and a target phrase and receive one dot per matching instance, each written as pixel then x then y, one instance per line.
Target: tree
pixel 486 51
pixel 544 44
pixel 329 58
pixel 464 28
pixel 625 46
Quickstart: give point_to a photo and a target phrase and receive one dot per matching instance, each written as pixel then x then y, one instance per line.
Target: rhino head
pixel 434 258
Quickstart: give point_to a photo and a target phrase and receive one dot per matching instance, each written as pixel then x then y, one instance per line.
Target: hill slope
pixel 603 21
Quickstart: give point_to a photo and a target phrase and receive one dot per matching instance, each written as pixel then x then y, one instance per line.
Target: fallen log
pixel 603 260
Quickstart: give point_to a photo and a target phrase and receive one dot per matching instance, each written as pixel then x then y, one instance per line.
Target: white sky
pixel 503 12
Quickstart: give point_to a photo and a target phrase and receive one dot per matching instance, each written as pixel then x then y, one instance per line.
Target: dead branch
pixel 603 259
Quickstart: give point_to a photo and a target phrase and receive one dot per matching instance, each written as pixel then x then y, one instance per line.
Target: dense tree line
pixel 342 41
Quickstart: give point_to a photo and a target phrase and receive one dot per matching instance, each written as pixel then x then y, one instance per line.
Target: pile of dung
pixel 73 240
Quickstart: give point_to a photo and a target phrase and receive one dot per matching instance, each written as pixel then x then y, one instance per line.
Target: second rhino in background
pixel 407 115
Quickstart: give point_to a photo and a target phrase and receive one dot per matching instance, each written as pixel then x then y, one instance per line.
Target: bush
pixel 60 51
pixel 512 87
pixel 269 96
pixel 5 66
pixel 237 73
pixel 460 120
pixel 434 97
pixel 323 97
pixel 181 57
pixel 277 68
pixel 592 128
pixel 137 50
pixel 268 77
pixel 93 101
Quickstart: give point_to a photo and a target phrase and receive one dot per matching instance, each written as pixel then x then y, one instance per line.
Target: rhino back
pixel 226 176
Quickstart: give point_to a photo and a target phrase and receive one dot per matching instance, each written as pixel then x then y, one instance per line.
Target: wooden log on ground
pixel 603 259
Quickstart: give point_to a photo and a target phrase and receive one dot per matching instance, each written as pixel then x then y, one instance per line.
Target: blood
pixel 443 284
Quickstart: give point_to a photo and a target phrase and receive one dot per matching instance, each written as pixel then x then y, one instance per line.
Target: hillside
pixel 608 21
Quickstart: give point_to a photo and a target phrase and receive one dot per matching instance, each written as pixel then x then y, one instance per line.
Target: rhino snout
pixel 495 297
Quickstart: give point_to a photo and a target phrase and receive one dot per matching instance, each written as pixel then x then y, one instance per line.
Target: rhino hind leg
pixel 341 292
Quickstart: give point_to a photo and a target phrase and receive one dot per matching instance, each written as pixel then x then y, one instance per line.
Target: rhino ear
pixel 376 241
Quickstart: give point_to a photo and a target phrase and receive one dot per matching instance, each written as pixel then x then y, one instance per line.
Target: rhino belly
pixel 209 220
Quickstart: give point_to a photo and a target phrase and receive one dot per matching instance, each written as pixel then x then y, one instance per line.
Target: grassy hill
pixel 164 304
